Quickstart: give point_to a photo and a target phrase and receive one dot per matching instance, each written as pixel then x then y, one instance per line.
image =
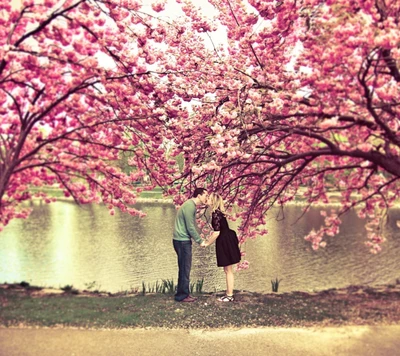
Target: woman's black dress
pixel 227 244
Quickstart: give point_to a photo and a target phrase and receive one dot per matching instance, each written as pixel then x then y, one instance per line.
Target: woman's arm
pixel 211 239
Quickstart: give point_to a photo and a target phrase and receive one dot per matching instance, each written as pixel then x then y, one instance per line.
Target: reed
pixel 275 284
pixel 199 285
pixel 93 287
pixel 168 286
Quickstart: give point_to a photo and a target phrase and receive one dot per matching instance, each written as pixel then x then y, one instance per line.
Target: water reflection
pixel 63 244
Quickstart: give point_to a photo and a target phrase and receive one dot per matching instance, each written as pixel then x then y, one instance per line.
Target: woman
pixel 227 244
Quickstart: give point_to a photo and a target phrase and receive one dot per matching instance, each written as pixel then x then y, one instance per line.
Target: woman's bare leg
pixel 229 279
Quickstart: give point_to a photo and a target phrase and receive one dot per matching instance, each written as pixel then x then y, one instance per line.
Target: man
pixel 185 229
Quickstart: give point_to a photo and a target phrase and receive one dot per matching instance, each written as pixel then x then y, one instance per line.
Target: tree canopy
pixel 308 105
pixel 301 99
pixel 80 83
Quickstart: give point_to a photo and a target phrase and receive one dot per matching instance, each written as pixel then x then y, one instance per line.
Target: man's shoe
pixel 188 299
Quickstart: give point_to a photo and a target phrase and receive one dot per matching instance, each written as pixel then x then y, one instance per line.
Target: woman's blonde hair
pixel 216 202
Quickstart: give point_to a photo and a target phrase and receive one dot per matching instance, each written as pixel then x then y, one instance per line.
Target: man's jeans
pixel 183 250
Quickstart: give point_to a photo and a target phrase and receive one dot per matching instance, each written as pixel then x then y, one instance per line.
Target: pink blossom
pixel 243 265
pixel 158 5
pixel 365 147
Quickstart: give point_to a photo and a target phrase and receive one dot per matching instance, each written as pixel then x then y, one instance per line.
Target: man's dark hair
pixel 199 191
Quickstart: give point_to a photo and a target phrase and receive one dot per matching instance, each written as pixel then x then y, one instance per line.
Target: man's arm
pixel 189 215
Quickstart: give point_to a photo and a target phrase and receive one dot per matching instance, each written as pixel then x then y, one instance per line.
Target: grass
pixel 156 193
pixel 168 286
pixel 69 289
pixel 275 284
pixel 356 305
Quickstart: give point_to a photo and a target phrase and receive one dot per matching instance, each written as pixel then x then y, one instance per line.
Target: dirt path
pixel 349 340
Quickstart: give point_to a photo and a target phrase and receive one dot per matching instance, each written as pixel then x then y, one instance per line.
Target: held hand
pixel 204 244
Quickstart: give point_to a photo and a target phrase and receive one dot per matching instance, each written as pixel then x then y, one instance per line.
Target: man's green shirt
pixel 185 223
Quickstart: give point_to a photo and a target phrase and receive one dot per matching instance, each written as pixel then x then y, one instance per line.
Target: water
pixel 63 244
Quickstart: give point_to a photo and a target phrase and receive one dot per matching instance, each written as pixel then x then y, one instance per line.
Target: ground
pixel 355 305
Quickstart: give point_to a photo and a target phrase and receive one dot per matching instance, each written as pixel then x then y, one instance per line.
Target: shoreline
pixel 34 290
pixel 169 201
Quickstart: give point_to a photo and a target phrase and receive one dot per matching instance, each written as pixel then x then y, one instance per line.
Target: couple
pixel 185 229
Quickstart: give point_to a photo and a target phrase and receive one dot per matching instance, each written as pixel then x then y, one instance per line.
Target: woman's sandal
pixel 226 298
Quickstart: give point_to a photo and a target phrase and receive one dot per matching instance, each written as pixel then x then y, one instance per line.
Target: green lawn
pixel 335 307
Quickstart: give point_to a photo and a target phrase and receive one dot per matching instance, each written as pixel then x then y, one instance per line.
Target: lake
pixel 63 244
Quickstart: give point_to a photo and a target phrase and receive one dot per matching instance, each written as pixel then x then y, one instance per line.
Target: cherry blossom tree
pixel 306 104
pixel 83 83
pixel 300 100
